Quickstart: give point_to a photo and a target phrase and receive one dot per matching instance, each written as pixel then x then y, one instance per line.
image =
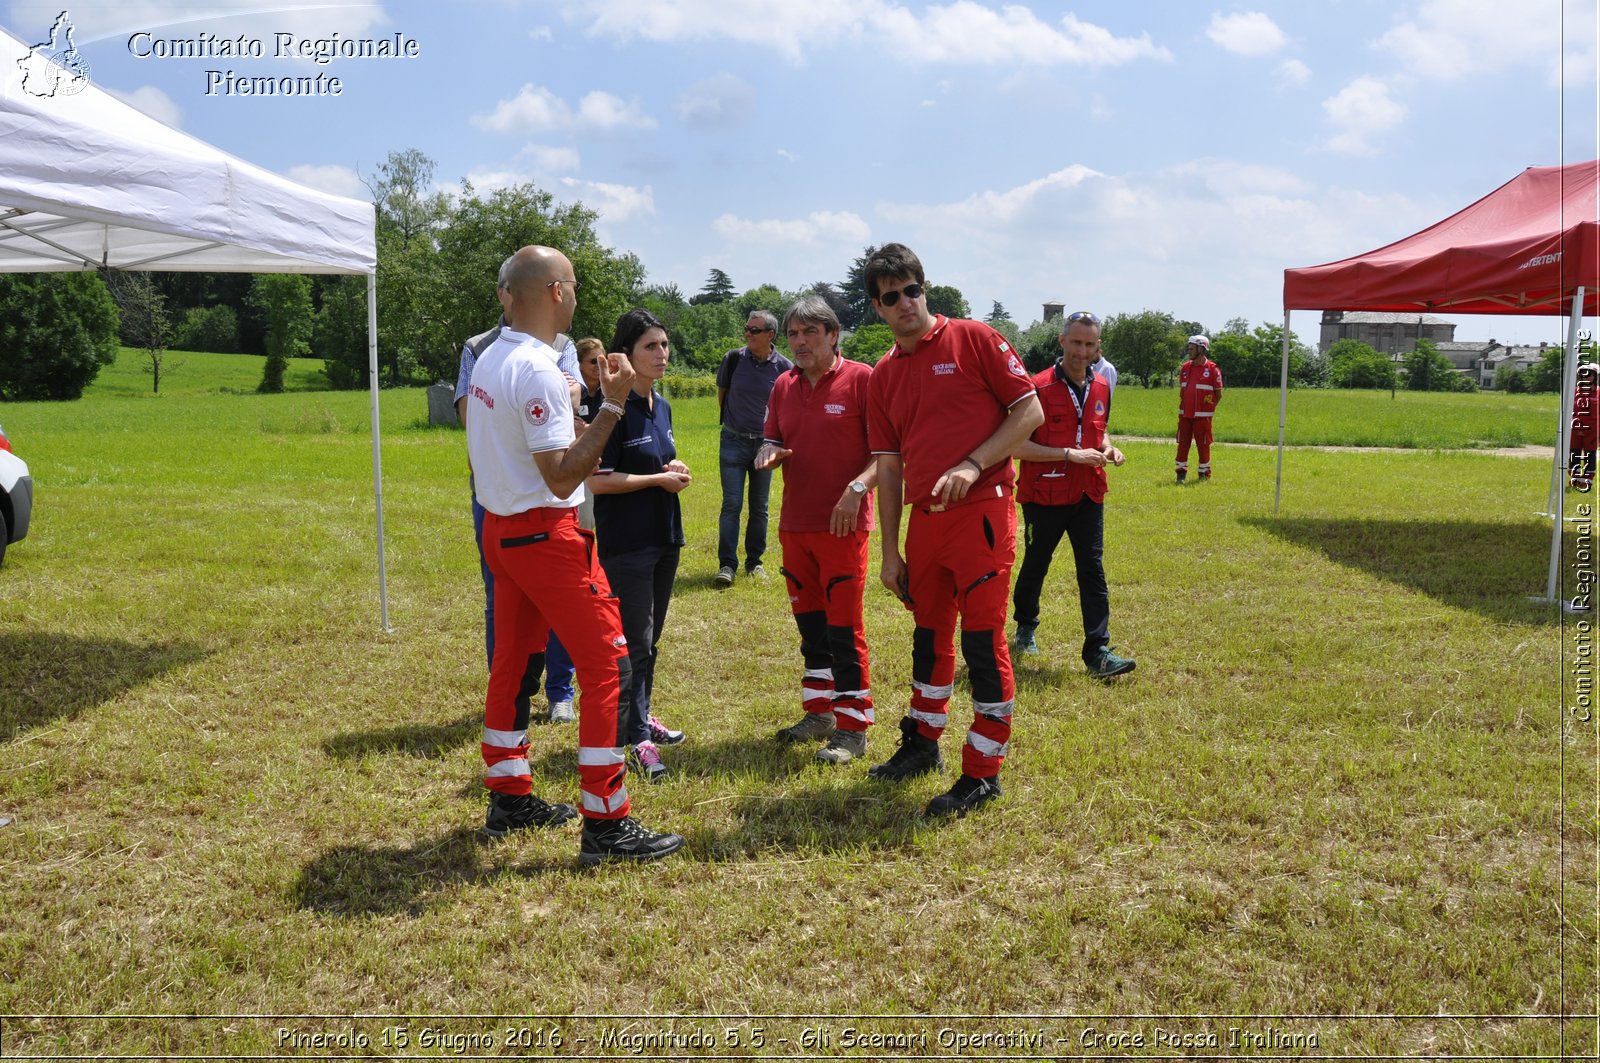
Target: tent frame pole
pixel 377 457
pixel 1569 378
pixel 1283 410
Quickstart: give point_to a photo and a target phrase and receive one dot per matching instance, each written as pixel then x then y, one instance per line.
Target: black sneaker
pixel 509 812
pixel 623 839
pixel 916 756
pixel 967 795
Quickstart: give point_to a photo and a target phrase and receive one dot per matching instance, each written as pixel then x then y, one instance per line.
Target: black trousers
pixel 642 582
pixel 1083 523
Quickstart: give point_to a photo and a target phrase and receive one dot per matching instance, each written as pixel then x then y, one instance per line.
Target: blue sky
pixel 1113 156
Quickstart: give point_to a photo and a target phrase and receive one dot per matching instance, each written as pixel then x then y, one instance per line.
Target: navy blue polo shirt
pixel 641 444
pixel 749 384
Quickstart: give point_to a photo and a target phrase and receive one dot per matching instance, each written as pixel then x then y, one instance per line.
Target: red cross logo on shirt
pixel 538 412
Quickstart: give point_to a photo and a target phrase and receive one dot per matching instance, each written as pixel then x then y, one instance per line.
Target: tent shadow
pixel 47 676
pixel 1487 568
pixel 421 740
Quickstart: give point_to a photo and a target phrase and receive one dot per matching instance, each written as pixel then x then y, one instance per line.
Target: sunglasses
pixel 910 291
pixel 1083 315
pixel 753 331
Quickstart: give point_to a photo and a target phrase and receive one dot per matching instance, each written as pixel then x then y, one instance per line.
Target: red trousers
pixel 827 576
pixel 544 567
pixel 1198 429
pixel 959 562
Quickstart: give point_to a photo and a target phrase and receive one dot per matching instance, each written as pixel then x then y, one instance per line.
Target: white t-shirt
pixel 519 406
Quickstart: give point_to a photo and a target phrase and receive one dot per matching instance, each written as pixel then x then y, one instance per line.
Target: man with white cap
pixel 1199 391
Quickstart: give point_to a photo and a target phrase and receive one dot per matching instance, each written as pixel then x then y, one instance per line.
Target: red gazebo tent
pixel 1532 246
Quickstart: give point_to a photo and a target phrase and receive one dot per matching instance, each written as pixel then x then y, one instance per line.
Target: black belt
pixel 744 435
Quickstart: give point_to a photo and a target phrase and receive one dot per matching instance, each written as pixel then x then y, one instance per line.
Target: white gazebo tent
pixel 88 182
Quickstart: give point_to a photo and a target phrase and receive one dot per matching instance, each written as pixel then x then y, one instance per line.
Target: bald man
pixel 530 468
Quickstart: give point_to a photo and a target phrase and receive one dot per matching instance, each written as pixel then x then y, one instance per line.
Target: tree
pixel 1266 365
pixel 1428 370
pixel 703 333
pixel 56 331
pixel 854 290
pixel 409 216
pixel 146 322
pixel 947 299
pixel 766 297
pixel 1040 344
pixel 1141 344
pixel 717 289
pixel 208 328
pixel 340 333
pixel 1353 364
pixel 1235 326
pixel 997 314
pixel 868 343
pixel 834 298
pixel 284 299
pixel 1510 379
pixel 1548 372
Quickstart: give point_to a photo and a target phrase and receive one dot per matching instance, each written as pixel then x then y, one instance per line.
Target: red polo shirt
pixel 826 427
pixel 935 405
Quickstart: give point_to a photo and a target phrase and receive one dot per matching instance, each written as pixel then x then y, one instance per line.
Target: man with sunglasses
pixel 744 383
pixel 947 406
pixel 1063 490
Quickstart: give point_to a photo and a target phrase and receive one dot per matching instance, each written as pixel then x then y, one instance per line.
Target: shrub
pixel 56 331
pixel 209 328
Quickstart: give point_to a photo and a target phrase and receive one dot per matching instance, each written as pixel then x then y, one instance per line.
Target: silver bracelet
pixel 613 407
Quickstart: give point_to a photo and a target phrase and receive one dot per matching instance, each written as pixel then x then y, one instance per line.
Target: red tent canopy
pixel 1522 249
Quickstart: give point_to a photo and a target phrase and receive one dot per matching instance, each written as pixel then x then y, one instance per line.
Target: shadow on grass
pixel 1487 568
pixel 424 740
pixel 47 676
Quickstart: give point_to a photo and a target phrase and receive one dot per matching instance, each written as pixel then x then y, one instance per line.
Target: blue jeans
pixel 558 666
pixel 737 459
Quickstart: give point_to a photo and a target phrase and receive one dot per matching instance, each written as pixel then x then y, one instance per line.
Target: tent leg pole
pixel 1283 411
pixel 1569 377
pixel 377 459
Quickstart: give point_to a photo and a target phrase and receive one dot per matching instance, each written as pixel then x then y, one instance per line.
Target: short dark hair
pixel 889 262
pixel 630 327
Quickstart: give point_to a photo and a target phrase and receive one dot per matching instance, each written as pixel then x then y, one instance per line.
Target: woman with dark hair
pixel 639 529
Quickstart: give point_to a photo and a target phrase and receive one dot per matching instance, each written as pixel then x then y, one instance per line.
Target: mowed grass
pixel 1344 782
pixel 188 373
pixel 1324 417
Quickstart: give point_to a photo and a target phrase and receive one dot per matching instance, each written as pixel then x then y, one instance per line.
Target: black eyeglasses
pixel 754 331
pixel 910 291
pixel 1082 315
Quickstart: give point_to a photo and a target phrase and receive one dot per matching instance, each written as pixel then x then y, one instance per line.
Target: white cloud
pixel 1451 39
pixel 614 203
pixel 1294 73
pixel 545 159
pixel 1361 110
pixel 535 109
pixel 541 33
pixel 717 102
pixel 336 180
pixel 785 153
pixel 153 102
pixel 961 32
pixel 818 227
pixel 1247 33
pixel 1003 207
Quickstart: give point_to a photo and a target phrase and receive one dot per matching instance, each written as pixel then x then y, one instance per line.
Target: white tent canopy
pixel 88 182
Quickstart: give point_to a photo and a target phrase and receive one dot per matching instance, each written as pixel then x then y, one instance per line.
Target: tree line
pixel 438 255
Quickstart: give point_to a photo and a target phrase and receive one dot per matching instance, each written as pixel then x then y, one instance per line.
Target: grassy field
pixel 1345 796
pixel 188 373
pixel 1317 417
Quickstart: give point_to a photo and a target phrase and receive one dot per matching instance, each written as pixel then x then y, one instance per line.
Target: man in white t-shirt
pixel 530 467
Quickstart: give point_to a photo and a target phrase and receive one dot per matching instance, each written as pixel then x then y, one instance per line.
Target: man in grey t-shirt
pixel 744 381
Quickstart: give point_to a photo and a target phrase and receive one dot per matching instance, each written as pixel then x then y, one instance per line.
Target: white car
pixel 16 496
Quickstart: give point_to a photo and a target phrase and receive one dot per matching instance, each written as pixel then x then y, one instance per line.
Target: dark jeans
pixel 642 582
pixel 736 459
pixel 558 666
pixel 1083 523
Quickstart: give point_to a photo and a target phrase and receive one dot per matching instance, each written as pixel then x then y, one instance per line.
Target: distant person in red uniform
pixel 817 430
pixel 530 469
pixel 1063 489
pixel 1200 389
pixel 948 406
pixel 1585 428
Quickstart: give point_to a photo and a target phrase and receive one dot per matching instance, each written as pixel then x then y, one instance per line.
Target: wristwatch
pixel 858 487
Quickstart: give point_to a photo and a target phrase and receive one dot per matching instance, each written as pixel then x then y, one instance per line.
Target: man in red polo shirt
pixel 817 429
pixel 948 405
pixel 530 468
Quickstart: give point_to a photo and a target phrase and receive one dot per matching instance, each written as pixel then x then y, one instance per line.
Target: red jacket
pixel 1200 388
pixel 1059 483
